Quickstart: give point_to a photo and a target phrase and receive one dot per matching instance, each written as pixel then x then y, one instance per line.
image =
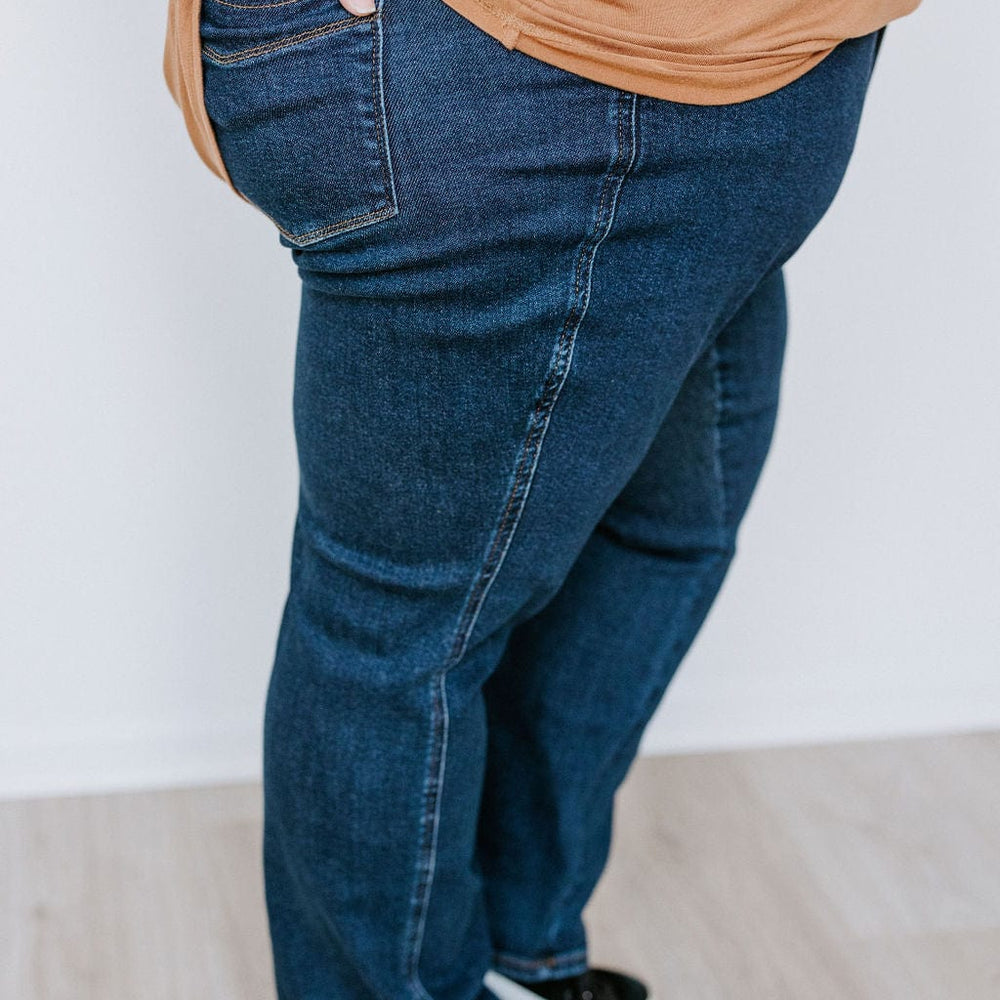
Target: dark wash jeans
pixel 537 371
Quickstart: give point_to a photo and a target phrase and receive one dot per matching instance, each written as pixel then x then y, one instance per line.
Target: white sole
pixel 506 989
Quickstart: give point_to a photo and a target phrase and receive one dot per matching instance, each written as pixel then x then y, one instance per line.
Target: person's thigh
pixel 507 271
pixel 479 376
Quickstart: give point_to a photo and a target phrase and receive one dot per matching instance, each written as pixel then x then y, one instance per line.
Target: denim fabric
pixel 537 372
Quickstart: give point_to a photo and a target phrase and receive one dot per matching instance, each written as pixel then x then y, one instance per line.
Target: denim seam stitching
pixel 551 386
pixel 555 377
pixel 378 93
pixel 386 212
pixel 286 42
pixel 430 821
pixel 552 961
pixel 716 433
pixel 255 6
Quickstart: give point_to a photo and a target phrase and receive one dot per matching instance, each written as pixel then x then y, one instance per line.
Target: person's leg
pixel 579 681
pixel 484 359
pixel 433 349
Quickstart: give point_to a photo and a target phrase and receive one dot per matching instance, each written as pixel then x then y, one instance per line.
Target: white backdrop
pixel 148 483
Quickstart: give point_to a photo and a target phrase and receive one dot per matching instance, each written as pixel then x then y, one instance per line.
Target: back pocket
pixel 294 93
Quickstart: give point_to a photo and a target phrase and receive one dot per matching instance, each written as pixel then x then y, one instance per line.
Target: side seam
pixel 538 422
pixel 626 128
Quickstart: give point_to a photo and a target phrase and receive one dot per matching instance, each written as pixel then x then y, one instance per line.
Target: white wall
pixel 149 482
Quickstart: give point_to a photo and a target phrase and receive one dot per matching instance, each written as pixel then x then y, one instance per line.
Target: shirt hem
pixel 651 77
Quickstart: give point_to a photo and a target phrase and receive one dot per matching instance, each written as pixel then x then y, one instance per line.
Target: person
pixel 543 315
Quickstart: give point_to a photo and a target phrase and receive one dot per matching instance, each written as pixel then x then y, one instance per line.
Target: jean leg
pixel 579 681
pixel 477 379
pixel 583 673
pixel 429 360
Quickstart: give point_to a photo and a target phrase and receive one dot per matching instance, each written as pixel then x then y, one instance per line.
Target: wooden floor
pixel 849 872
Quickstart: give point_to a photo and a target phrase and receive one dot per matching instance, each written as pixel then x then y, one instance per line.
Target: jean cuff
pixel 534 970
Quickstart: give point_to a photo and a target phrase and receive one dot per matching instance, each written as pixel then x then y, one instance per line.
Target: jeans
pixel 536 377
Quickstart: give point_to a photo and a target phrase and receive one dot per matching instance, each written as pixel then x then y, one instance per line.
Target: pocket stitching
pixel 256 6
pixel 386 212
pixel 228 59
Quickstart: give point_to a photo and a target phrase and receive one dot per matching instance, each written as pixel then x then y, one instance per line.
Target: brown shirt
pixel 692 51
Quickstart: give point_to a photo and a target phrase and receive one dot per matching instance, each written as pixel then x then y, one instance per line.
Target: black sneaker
pixel 593 984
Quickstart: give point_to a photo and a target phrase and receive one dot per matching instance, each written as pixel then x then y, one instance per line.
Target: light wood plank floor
pixel 848 872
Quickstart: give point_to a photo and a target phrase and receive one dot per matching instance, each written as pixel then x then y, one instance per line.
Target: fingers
pixel 358 6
